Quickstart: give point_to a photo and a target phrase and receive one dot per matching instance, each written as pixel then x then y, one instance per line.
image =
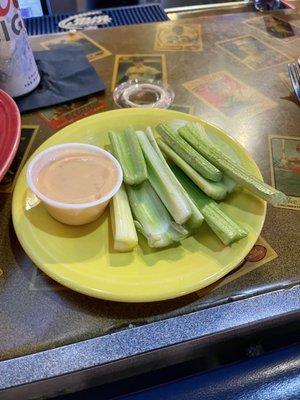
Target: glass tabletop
pixel 232 71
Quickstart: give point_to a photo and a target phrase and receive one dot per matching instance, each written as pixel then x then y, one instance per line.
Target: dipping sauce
pixel 78 177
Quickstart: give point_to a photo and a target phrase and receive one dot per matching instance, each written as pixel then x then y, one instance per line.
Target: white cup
pixel 68 213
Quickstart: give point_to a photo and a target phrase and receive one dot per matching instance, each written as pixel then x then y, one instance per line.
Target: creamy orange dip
pixel 79 177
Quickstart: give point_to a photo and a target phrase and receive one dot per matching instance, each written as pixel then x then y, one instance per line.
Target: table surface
pixel 38 314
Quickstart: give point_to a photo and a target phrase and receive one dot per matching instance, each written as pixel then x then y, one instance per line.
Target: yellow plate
pixel 83 259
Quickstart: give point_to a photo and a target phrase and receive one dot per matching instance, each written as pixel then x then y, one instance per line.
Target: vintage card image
pixel 143 67
pixel 230 96
pixel 260 254
pixel 182 108
pixel 28 133
pixel 65 114
pixel 275 27
pixel 285 79
pixel 296 19
pixel 92 50
pixel 252 52
pixel 285 168
pixel 178 37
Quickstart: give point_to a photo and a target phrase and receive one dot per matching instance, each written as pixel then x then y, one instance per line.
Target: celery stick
pixel 167 189
pixel 124 232
pixel 230 184
pixel 154 144
pixel 127 150
pixel 188 153
pixel 222 225
pixel 215 190
pixel 195 138
pixel 198 129
pixel 152 218
pixel 196 218
pixel 240 232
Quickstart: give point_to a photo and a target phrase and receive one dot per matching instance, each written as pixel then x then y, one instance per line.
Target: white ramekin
pixel 68 213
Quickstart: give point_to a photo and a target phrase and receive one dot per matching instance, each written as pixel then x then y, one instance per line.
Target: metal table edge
pixel 136 341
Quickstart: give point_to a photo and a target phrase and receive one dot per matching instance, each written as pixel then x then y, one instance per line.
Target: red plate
pixel 10 131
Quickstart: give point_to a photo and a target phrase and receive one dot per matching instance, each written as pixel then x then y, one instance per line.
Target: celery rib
pixel 124 232
pixel 216 190
pixel 167 189
pixel 188 153
pixel 230 184
pixel 127 150
pixel 221 224
pixel 152 218
pixel 196 218
pixel 193 136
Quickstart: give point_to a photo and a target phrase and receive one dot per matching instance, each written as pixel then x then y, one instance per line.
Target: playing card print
pixel 260 254
pixel 92 50
pixel 228 95
pixel 285 168
pixel 141 67
pixel 178 37
pixel 65 114
pixel 253 53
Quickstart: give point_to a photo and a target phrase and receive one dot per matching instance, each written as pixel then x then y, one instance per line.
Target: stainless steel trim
pixel 202 7
pixel 59 364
